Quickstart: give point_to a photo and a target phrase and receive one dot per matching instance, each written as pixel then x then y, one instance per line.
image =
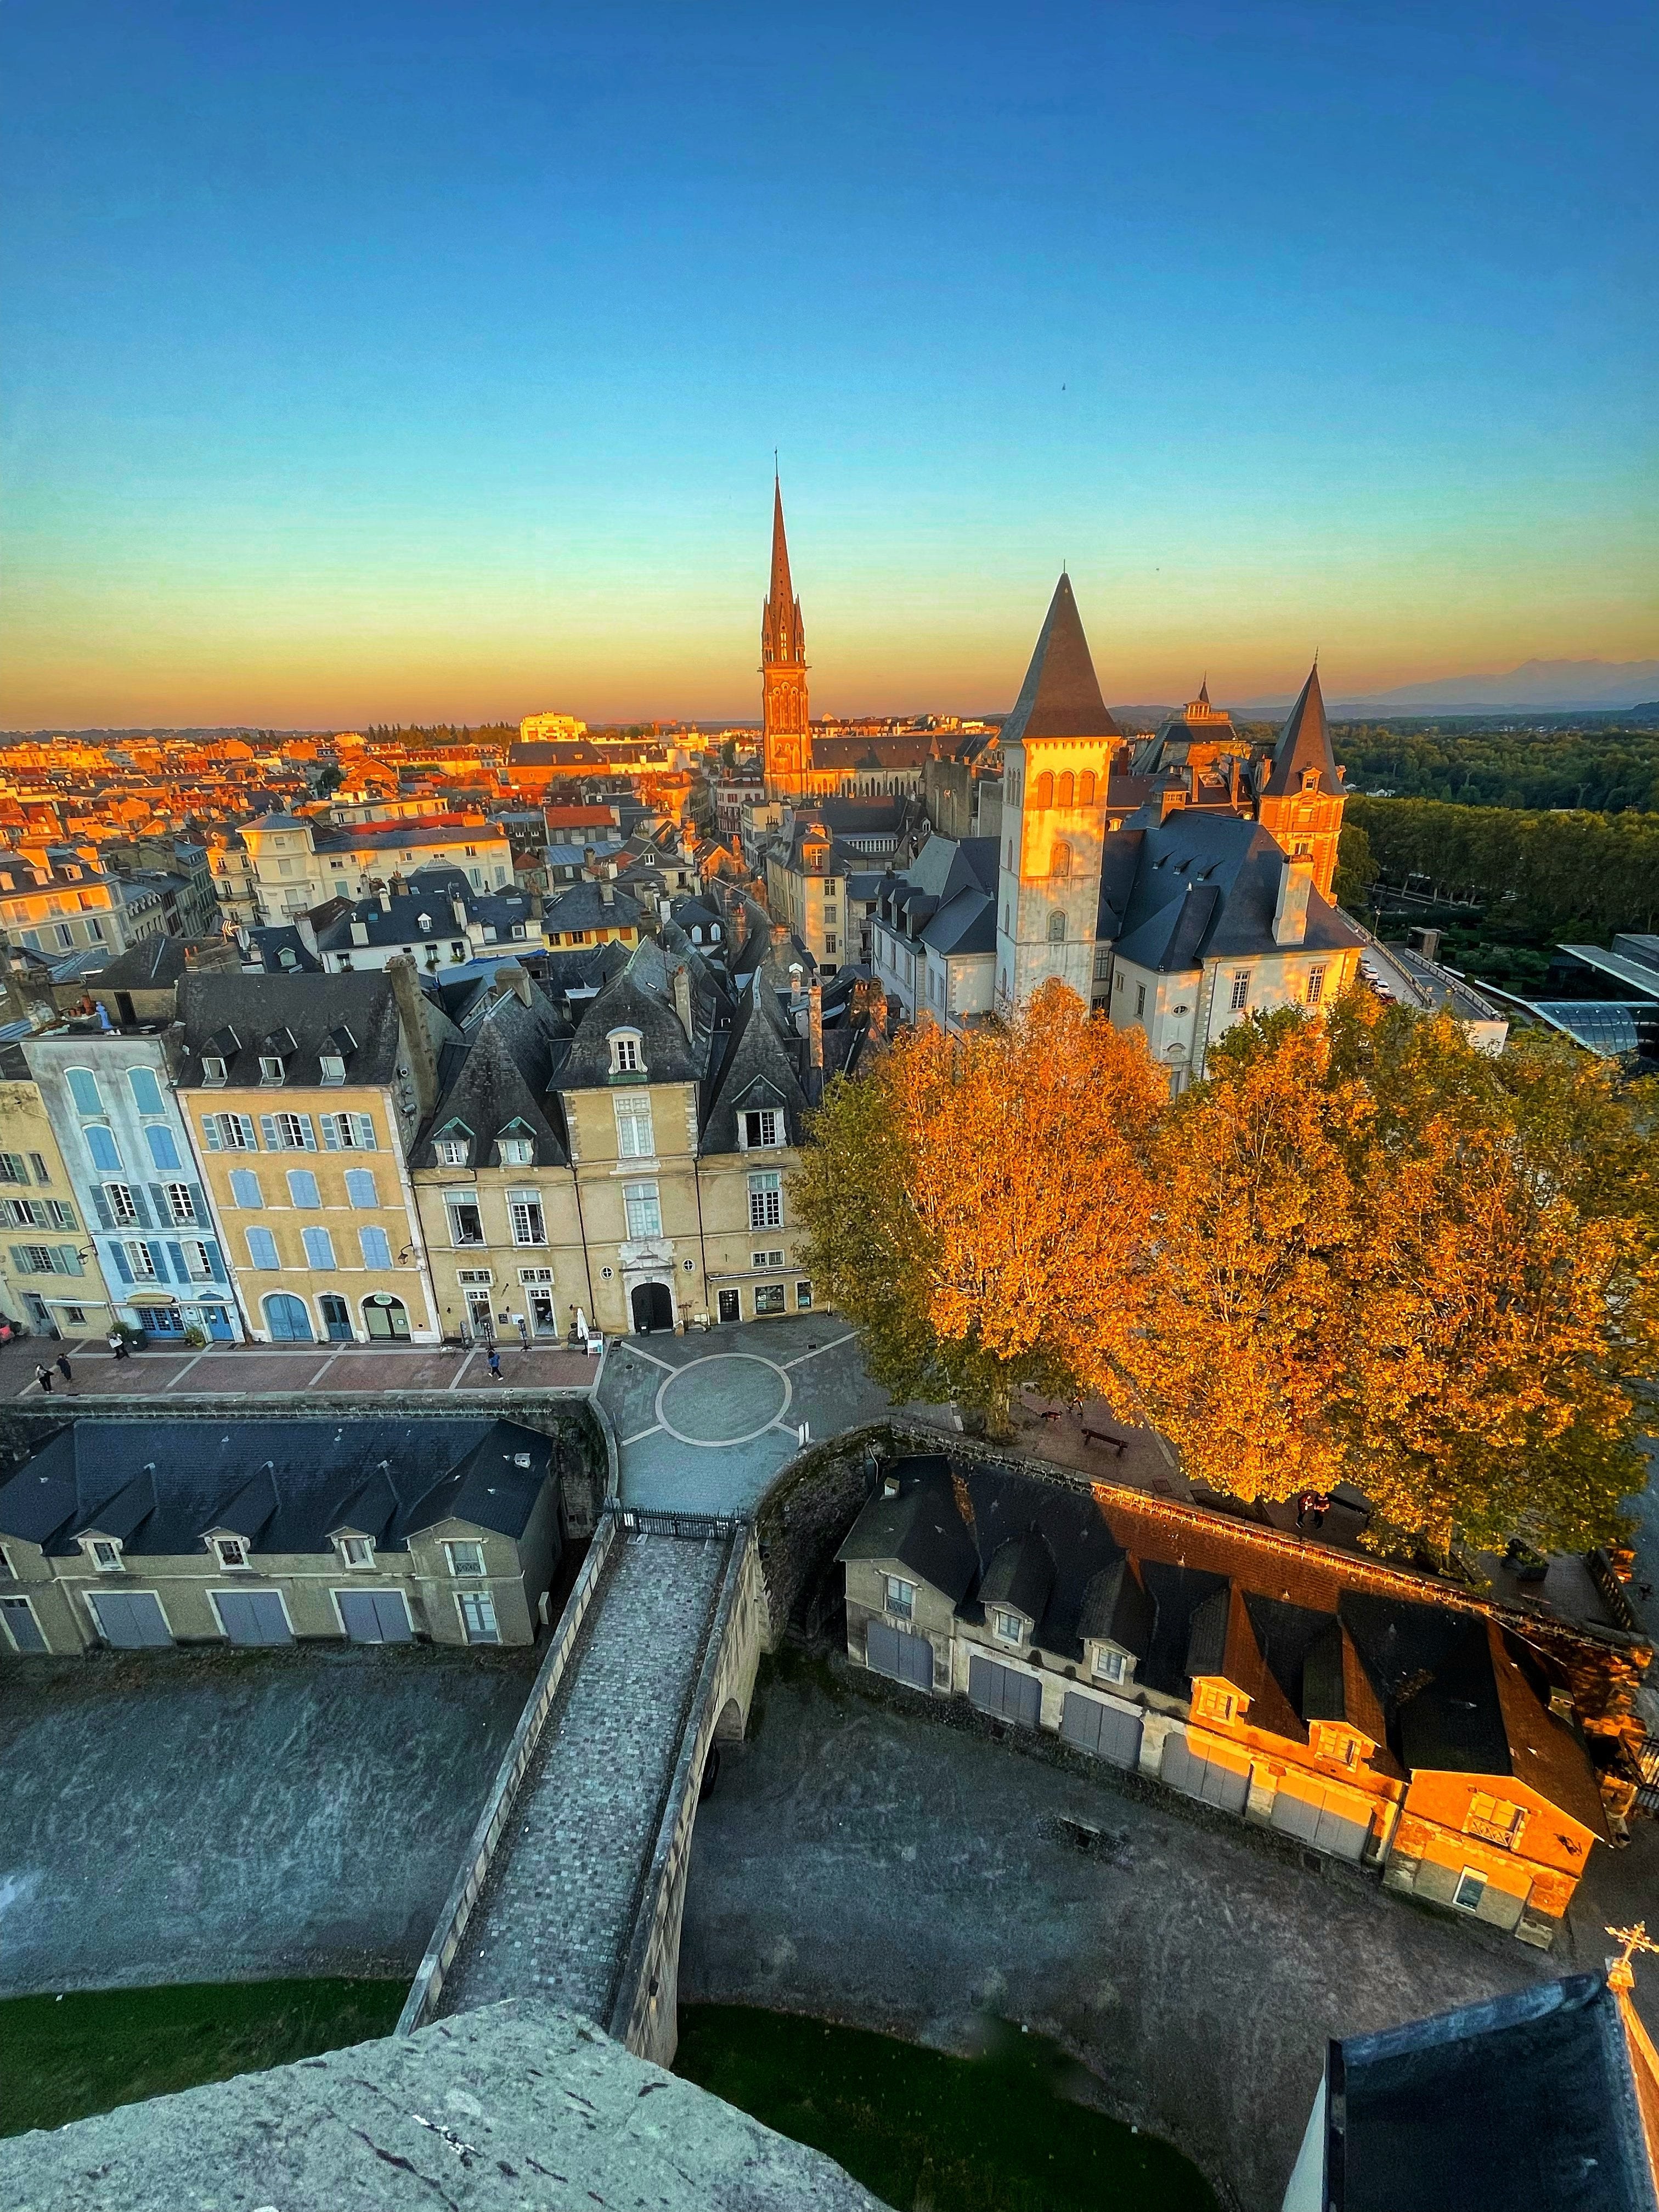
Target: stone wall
pixel 803 1518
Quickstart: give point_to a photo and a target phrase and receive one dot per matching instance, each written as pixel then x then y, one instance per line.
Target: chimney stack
pixel 683 1001
pixel 815 1025
pixel 607 894
pixel 401 974
pixel 1290 910
pixel 509 976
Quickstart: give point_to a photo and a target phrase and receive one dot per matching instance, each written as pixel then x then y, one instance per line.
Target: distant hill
pixel 1553 684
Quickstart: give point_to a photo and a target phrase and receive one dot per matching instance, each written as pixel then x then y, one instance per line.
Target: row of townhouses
pixel 353 1154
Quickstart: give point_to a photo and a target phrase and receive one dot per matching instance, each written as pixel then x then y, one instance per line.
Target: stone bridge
pixel 575 1881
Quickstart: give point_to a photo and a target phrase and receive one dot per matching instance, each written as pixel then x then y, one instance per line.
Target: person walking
pixel 63 1367
pixel 43 1376
pixel 118 1345
pixel 494 1365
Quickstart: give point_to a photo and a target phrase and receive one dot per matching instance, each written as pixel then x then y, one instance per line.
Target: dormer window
pixel 763 1127
pixel 271 1069
pixel 356 1552
pixel 516 1152
pixel 1008 1627
pixel 626 1056
pixel 1310 779
pixel 332 1067
pixel 1215 1703
pixel 105 1554
pixel 213 1068
pixel 1112 1666
pixel 452 1151
pixel 901 1597
pixel 232 1553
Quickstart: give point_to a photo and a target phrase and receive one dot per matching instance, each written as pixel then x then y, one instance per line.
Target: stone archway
pixel 653 1308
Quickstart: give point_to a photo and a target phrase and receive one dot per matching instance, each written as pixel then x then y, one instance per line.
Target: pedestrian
pixel 118 1345
pixel 43 1376
pixel 494 1365
pixel 63 1367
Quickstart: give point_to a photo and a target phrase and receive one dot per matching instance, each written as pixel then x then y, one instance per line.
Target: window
pixel 146 1091
pixel 1110 1666
pixel 245 1188
pixel 302 1188
pixel 123 1207
pixel 1217 1704
pixel 105 1555
pixel 228 1133
pixel 105 1152
pixel 769 1298
pixel 625 1058
pixel 1104 964
pixel 1009 1626
pixel 330 1067
pixel 1471 1889
pixel 1057 929
pixel 1042 793
pixel 163 1151
pixel 802 1297
pixel 478 1617
pixel 61 1215
pixel 12 1169
pixel 465 1218
pixel 350 1133
pixel 360 1188
pixel 829 943
pixel 142 1260
pixel 1085 788
pixel 199 1263
pixel 356 1551
pixel 288 1132
pixel 516 1152
pixel 233 1551
pixel 636 1139
pixel 261 1248
pixel 1065 790
pixel 1496 1818
pixel 766 1201
pixel 65 935
pixel 83 1089
pixel 376 1247
pixel 1241 995
pixel 452 1151
pixel 464 1558
pixel 901 1596
pixel 319 1248
pixel 213 1068
pixel 42 1259
pixel 763 1128
pixel 766 1261
pixel 181 1202
pixel 1316 985
pixel 643 1209
pixel 529 1225
pixel 271 1068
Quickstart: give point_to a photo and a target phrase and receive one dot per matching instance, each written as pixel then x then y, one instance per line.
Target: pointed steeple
pixel 783 635
pixel 1204 691
pixel 1304 743
pixel 1060 696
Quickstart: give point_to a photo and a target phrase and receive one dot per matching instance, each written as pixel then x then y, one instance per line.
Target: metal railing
pixel 668 1520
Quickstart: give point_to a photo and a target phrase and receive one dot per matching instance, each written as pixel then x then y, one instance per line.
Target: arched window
pixel 1085 788
pixel 1060 860
pixel 1057 929
pixel 1066 795
pixel 1042 796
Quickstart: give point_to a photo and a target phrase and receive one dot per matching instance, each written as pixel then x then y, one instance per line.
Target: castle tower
pixel 785 732
pixel 1057 748
pixel 1300 796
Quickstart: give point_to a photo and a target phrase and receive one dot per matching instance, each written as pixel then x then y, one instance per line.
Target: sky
pixel 426 362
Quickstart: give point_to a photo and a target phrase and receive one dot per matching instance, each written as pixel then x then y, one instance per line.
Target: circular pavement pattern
pixel 724 1398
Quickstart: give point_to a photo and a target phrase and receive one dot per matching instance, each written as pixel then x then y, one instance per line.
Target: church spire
pixel 786 729
pixel 783 635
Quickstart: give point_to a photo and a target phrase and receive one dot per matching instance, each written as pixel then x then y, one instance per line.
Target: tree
pixel 1356 868
pixel 979 1204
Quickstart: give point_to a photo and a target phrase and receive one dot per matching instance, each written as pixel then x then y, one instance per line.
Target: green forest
pixel 1606 768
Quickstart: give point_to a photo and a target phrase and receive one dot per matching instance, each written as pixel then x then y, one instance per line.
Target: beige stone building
pixel 142 1534
pixel 50 1283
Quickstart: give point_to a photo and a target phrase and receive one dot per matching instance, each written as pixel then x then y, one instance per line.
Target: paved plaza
pixel 246 1371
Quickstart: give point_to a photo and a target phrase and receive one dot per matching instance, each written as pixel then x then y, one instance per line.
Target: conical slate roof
pixel 1060 696
pixel 783 635
pixel 1303 743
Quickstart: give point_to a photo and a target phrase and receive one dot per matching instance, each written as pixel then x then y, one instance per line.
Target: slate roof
pixel 583 906
pixel 1202 885
pixel 268 942
pixel 499 1086
pixel 640 996
pixel 161 1486
pixel 428 897
pixel 761 1066
pixel 1303 743
pixel 313 1007
pixel 149 965
pixel 1532 2098
pixel 1060 696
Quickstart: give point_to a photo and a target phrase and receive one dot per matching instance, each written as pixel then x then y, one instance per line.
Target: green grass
pixel 929 2133
pixel 63 2058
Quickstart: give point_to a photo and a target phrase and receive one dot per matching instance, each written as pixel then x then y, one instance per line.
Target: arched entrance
pixel 337 1317
pixel 385 1317
pixel 287 1319
pixel 654 1307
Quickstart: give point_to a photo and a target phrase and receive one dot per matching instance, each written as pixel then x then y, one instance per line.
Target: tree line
pixel 1554 875
pixel 1605 770
pixel 1359 1250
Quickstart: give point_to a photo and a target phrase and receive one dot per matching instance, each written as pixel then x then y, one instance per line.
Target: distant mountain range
pixel 1551 686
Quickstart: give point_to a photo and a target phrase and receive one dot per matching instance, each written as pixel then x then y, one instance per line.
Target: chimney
pixel 417 1039
pixel 509 976
pixel 1170 800
pixel 607 894
pixel 1290 913
pixel 797 994
pixel 683 1001
pixel 360 932
pixel 385 901
pixel 458 908
pixel 739 922
pixel 664 905
pixel 815 1025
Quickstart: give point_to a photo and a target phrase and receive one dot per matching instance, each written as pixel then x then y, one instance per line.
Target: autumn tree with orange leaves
pixel 980 1205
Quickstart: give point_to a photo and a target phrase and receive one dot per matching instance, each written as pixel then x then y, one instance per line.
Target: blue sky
pixel 428 362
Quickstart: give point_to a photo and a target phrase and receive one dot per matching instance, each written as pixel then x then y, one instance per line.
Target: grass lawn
pixel 996 2134
pixel 63 2058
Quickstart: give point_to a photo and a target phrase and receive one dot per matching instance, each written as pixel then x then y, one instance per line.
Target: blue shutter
pixel 20 1266
pixel 140 1209
pixel 180 1273
pixel 308 1132
pixel 163 1211
pixel 216 1263
pixel 210 1136
pixel 102 1206
pixel 69 1259
pixel 120 1260
pixel 102 1147
pixel 330 1133
pixel 268 1131
pixel 163 1152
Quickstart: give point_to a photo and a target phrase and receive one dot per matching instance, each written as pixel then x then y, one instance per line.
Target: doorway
pixel 287 1319
pixel 731 1308
pixel 654 1308
pixel 337 1318
pixel 481 1318
pixel 386 1318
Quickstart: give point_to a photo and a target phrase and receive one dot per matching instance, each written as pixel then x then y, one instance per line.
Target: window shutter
pixel 62 1216
pixel 180 1273
pixel 20 1264
pixel 308 1132
pixel 330 1133
pixel 163 1211
pixel 210 1135
pixel 102 1205
pixel 268 1131
pixel 121 1267
pixel 362 1127
pixel 140 1212
pixel 69 1260
pixel 244 1124
pixel 216 1263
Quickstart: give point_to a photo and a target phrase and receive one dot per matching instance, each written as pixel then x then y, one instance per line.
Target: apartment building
pixel 282 865
pixel 58 901
pixel 51 1281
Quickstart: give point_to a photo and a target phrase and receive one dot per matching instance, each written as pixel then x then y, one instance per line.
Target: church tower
pixel 1300 795
pixel 1057 749
pixel 785 732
